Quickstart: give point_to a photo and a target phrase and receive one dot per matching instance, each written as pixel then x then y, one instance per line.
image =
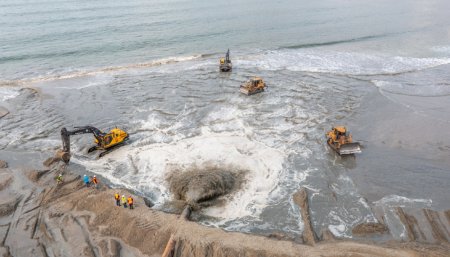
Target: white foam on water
pixel 396 227
pixel 412 90
pixel 71 73
pixel 349 63
pixel 154 161
pixel 443 49
pixel 151 123
pixel 401 201
pixel 223 114
pixel 344 216
pixel 7 93
pixel 340 229
pixel 98 80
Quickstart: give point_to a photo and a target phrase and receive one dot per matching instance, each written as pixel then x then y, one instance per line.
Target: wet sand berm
pixel 45 219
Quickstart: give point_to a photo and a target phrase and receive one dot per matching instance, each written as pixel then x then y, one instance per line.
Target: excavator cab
pixel 115 136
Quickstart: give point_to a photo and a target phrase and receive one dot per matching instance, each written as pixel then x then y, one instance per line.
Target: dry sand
pixel 41 218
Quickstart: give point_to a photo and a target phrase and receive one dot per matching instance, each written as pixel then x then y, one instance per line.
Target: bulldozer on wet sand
pixel 225 63
pixel 103 141
pixel 253 86
pixel 340 140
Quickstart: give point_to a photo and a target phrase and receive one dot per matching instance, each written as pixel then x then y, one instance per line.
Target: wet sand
pixel 41 218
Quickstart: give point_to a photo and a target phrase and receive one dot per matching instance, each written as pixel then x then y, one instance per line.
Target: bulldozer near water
pixel 253 86
pixel 340 140
pixel 225 63
pixel 103 141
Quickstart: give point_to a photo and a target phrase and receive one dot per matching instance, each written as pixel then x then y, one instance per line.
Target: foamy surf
pixel 343 217
pixel 407 89
pixel 93 72
pixel 336 62
pixel 401 201
pixel 7 93
pixel 153 162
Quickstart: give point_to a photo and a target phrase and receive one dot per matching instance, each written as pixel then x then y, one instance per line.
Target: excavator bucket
pixel 349 148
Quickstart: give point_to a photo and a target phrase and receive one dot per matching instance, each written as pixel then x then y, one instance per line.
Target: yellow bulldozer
pixel 253 86
pixel 340 140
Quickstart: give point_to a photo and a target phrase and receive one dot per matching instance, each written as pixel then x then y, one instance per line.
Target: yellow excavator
pixel 253 86
pixel 340 140
pixel 225 63
pixel 103 141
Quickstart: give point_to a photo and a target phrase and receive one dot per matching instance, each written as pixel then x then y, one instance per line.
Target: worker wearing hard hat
pixel 124 201
pixel 59 179
pixel 117 197
pixel 130 202
pixel 95 181
pixel 86 180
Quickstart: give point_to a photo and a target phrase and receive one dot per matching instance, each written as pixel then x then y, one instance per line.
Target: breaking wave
pixel 336 62
pixel 336 42
pixel 412 90
pixel 111 69
pixel 401 201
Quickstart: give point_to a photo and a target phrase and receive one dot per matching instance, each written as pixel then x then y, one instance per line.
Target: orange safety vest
pixel 94 180
pixel 117 196
pixel 130 200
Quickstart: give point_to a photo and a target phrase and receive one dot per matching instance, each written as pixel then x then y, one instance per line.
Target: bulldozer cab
pixel 255 81
pixel 340 131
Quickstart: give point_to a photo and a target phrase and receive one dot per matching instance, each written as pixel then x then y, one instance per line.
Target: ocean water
pixel 150 67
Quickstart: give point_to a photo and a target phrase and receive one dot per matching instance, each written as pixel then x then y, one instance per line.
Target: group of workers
pixel 119 200
pixel 125 201
pixel 87 181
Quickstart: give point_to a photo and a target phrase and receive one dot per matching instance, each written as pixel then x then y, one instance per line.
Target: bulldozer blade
pixel 350 148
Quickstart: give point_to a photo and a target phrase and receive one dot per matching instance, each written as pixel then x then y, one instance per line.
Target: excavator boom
pixel 65 135
pixel 104 141
pixel 225 63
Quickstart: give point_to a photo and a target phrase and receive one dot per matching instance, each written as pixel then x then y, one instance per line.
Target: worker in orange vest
pixel 95 181
pixel 130 202
pixel 117 197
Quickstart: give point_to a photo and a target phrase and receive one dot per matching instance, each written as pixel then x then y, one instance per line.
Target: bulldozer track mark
pixel 6 235
pixel 43 250
pixel 147 225
pixel 29 197
pixel 36 224
pixel 32 209
pixel 437 228
pixel 93 249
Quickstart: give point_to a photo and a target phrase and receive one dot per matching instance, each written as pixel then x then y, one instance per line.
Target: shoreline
pixel 47 219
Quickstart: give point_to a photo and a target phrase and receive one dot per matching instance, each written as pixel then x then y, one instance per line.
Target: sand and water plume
pixel 201 187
